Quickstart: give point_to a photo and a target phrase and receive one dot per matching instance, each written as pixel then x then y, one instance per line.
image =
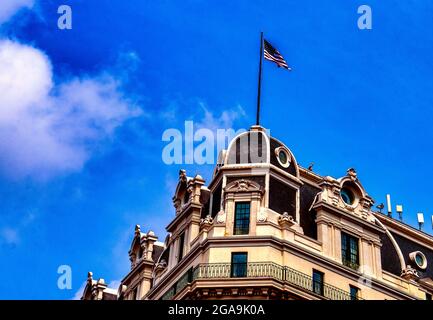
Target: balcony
pixel 257 270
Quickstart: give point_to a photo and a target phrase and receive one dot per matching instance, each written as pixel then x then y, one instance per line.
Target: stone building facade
pixel 266 228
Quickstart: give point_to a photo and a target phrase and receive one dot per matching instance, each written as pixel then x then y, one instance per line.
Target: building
pixel 266 228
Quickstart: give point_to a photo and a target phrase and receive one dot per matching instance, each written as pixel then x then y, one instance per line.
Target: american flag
pixel 272 54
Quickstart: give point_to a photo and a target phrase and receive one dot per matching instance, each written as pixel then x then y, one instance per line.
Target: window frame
pixel 321 283
pixel 348 257
pixel 244 228
pixel 356 295
pixel 234 266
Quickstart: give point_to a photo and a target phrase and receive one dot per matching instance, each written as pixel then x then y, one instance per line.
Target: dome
pixel 256 147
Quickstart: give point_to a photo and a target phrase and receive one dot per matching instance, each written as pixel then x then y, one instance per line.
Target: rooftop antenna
pixel 432 221
pixel 388 203
pixel 420 220
pixel 399 209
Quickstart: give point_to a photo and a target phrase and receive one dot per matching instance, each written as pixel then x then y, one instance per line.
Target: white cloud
pixel 8 8
pixel 226 119
pixel 49 128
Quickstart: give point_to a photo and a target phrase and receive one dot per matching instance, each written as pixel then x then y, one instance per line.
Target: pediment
pixel 243 185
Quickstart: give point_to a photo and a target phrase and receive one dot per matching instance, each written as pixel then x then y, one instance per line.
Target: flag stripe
pixel 268 56
pixel 281 63
pixel 272 54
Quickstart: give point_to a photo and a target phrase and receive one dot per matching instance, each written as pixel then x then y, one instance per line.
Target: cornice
pixel 137 269
pixel 349 216
pixel 183 214
pixel 307 174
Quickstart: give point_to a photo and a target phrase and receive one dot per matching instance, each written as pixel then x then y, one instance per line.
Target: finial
pixel 182 175
pixel 137 229
pixel 351 172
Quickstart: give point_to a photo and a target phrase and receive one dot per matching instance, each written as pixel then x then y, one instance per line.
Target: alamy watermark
pixel 64 282
pixel 365 21
pixel 203 145
pixel 65 20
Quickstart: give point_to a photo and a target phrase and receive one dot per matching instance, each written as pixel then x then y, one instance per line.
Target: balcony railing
pixel 258 270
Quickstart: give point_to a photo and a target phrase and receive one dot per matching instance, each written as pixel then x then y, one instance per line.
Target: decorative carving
pixel 137 230
pixel 331 191
pixel 286 220
pixel 182 175
pixel 90 276
pixel 262 215
pixel 410 273
pixel 351 172
pixel 221 217
pixel 206 223
pixel 243 185
pixel 160 266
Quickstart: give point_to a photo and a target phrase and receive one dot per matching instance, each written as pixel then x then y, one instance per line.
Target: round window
pixel 419 259
pixel 347 196
pixel 283 157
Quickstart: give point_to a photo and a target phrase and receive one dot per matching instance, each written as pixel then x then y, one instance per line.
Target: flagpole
pixel 260 80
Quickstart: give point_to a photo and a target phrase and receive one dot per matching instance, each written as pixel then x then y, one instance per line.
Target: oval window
pixel 347 196
pixel 283 157
pixel 419 258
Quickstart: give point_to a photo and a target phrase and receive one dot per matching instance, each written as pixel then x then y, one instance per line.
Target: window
pixel 181 245
pixel 354 293
pixel 242 218
pixel 349 251
pixel 347 196
pixel 318 282
pixel 239 264
pixel 283 157
pixel 419 259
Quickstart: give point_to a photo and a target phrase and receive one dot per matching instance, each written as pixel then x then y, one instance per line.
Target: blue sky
pixel 80 133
